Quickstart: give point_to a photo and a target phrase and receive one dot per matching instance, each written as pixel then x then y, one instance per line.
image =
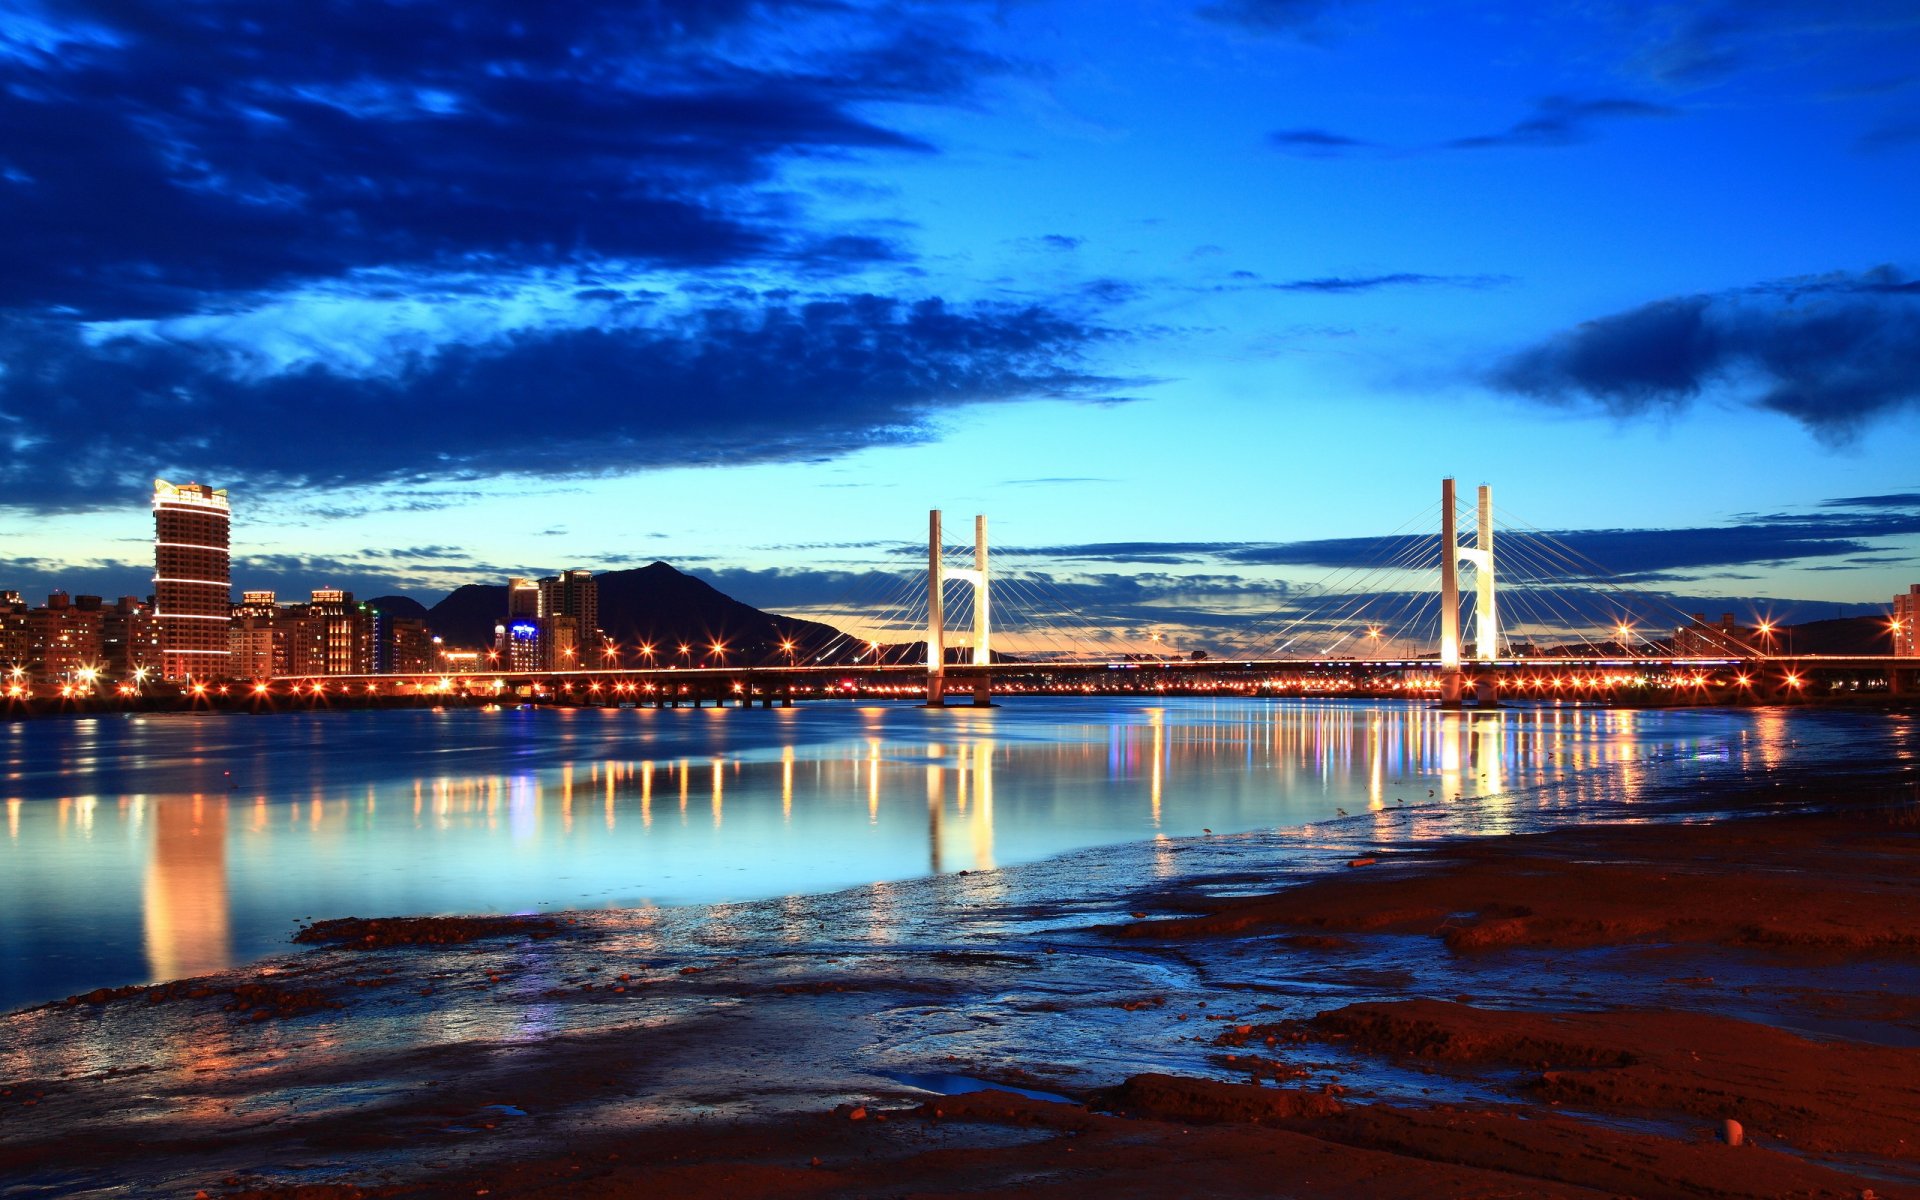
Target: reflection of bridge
pixel 1607 653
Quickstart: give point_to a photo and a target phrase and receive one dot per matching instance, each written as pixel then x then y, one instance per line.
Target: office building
pixel 569 619
pixel 192 579
pixel 130 641
pixel 1726 638
pixel 343 632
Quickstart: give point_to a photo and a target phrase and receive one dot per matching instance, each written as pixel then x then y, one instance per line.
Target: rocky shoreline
pixel 1573 1013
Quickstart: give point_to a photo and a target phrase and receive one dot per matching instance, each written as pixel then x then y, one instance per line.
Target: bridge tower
pixel 937 576
pixel 1486 621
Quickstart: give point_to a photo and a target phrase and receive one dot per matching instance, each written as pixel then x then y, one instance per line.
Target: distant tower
pixel 192 579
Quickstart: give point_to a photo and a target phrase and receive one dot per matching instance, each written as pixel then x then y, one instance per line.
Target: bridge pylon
pixel 937 575
pixel 1486 621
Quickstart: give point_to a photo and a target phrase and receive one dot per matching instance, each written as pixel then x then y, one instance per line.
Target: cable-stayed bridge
pixel 1465 604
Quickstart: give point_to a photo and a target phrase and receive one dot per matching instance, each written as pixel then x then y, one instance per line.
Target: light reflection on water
pixel 139 849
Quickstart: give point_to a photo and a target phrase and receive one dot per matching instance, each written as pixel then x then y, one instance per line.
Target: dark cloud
pixel 1368 283
pixel 1307 18
pixel 165 151
pixel 1891 136
pixel 778 380
pixel 1580 555
pixel 1061 241
pixel 1697 44
pixel 1907 500
pixel 1833 352
pixel 1115 552
pixel 1317 143
pixel 1555 121
pixel 1560 121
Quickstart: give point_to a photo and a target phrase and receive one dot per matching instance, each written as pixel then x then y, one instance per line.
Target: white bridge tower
pixel 1486 621
pixel 937 575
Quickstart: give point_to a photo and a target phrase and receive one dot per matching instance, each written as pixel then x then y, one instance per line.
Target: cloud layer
pixel 1833 352
pixel 762 378
pixel 329 246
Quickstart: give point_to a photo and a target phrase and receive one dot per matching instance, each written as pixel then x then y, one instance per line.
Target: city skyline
pixel 1197 297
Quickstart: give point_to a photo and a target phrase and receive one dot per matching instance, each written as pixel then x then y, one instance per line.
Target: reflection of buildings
pixel 186 889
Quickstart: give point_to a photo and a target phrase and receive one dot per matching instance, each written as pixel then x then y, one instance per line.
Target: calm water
pixel 156 847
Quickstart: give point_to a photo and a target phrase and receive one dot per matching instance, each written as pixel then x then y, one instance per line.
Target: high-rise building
pixel 569 619
pixel 516 640
pixel 1906 615
pixel 192 579
pixel 344 630
pixel 401 645
pixel 129 640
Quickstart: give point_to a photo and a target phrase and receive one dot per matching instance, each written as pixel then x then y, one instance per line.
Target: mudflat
pixel 1573 1013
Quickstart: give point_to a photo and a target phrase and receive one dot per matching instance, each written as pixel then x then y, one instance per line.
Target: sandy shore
pixel 1571 1013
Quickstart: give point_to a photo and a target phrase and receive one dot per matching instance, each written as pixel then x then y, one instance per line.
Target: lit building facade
pixel 344 631
pixel 1906 616
pixel 401 645
pixel 569 619
pixel 516 640
pixel 192 579
pixel 1726 638
pixel 130 640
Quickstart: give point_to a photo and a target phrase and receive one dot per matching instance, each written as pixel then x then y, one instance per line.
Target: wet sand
pixel 1571 1013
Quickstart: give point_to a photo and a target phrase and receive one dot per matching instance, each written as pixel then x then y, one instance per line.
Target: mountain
pixel 467 615
pixel 397 606
pixel 653 604
pixel 1840 635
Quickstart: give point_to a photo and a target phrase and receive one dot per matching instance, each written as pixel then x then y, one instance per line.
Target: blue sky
pixel 446 292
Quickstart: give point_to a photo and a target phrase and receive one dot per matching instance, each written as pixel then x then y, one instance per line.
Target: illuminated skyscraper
pixel 569 620
pixel 192 579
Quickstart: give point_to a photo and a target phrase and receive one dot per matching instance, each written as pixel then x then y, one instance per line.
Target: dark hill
pixel 467 615
pixel 1840 635
pixel 653 604
pixel 398 606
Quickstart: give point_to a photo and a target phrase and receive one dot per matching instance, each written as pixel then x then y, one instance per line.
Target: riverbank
pixel 1566 1013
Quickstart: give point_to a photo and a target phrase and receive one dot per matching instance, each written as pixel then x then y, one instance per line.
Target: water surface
pixel 155 847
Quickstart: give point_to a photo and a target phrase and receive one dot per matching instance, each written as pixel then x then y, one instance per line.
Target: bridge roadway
pixel 784 680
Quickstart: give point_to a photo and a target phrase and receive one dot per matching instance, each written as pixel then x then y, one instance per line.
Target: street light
pixel 786 644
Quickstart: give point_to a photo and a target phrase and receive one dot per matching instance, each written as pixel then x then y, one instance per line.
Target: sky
pixel 1196 299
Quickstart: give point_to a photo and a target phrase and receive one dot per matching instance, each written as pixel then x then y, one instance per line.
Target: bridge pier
pixel 1904 681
